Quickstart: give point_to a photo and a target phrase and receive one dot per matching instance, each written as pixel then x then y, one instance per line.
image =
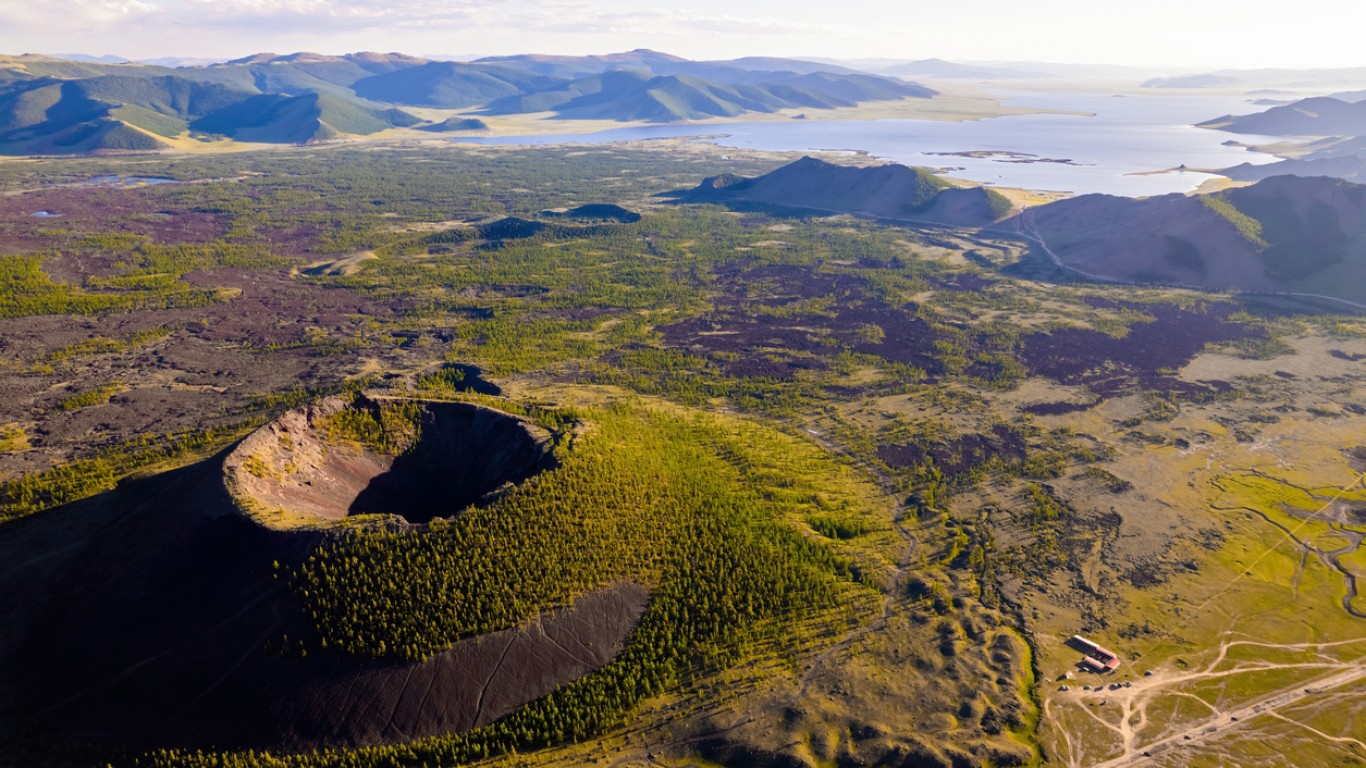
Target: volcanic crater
pixel 419 460
pixel 160 617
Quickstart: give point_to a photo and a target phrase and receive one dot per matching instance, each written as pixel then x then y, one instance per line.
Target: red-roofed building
pixel 1096 657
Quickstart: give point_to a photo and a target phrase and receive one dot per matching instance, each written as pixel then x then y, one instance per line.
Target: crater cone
pixel 332 460
pixel 159 616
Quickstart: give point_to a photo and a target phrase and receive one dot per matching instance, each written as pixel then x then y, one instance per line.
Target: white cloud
pixel 237 27
pixel 268 15
pixel 142 16
pixel 570 16
pixel 66 13
pixel 1208 32
pixel 595 18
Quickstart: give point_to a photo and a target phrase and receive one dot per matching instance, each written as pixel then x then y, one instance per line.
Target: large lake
pixel 1127 135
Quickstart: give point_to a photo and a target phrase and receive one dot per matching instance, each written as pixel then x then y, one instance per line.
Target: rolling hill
pixel 1350 96
pixel 448 84
pixel 1283 234
pixel 655 63
pixel 677 97
pixel 852 87
pixel 32 67
pixel 886 191
pixel 612 83
pixel 279 119
pixel 575 67
pixel 629 95
pixel 1349 167
pixel 1335 157
pixel 296 72
pixel 124 112
pixel 1349 147
pixel 105 59
pixel 109 112
pixel 1321 116
pixel 775 64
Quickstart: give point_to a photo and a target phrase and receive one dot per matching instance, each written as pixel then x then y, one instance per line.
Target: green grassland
pixel 1265 612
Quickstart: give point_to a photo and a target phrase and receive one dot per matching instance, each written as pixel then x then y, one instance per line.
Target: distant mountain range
pixel 1350 168
pixel 1265 78
pixel 1285 234
pixel 106 59
pixel 63 106
pixel 659 64
pixel 1195 81
pixel 1340 118
pixel 948 70
pixel 886 191
pixel 164 61
pixel 632 95
pixel 995 70
pixel 1337 157
pixel 449 84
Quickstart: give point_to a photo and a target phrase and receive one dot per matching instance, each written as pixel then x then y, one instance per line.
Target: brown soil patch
pixel 343 267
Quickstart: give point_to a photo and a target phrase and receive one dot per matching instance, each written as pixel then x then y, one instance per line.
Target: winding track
pixel 1229 719
pixel 1026 228
pixel 1133 701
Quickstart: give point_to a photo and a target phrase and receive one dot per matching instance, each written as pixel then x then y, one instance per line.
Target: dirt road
pixel 1232 718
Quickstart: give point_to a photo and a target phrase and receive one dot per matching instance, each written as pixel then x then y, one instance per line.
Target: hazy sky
pixel 1199 33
